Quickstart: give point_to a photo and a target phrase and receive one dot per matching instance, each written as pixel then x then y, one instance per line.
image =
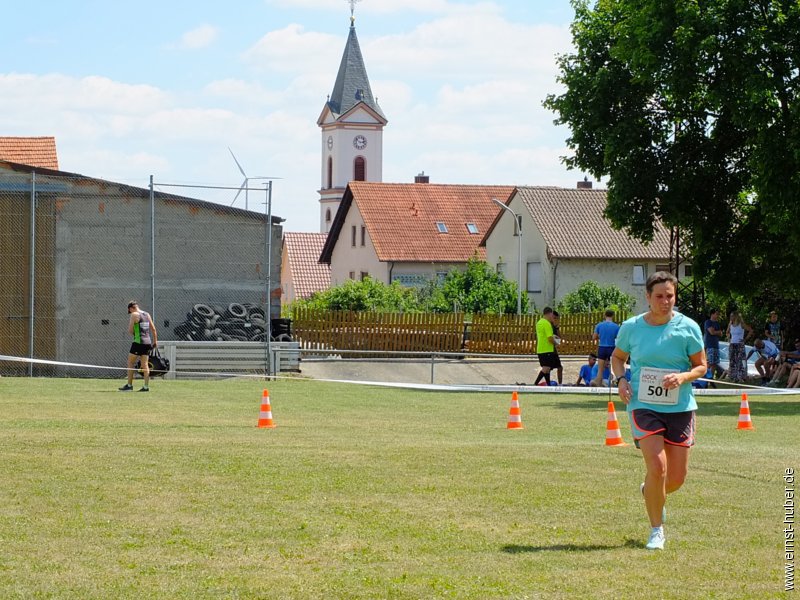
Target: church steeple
pixel 352 131
pixel 352 84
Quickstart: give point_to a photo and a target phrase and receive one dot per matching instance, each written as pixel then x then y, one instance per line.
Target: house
pixel 567 241
pixel 76 249
pixel 301 272
pixel 32 151
pixel 409 232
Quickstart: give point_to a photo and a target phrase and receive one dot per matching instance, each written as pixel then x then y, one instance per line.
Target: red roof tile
pixel 303 252
pixel 401 219
pixel 32 151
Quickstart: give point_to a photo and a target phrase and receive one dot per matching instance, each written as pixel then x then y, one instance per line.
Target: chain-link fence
pixel 75 250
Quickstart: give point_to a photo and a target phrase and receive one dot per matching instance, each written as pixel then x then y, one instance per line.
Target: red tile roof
pixel 32 151
pixel 572 224
pixel 303 252
pixel 401 219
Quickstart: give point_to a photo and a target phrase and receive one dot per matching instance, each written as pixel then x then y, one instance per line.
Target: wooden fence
pixel 428 332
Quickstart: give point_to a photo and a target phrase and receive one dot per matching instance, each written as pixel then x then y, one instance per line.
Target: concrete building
pixel 90 246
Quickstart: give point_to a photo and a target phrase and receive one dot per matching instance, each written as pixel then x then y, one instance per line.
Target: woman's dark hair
pixel 660 277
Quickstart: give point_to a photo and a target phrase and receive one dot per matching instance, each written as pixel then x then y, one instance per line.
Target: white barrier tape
pixel 540 389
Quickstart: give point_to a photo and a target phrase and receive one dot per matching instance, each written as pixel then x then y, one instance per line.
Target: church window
pixel 360 169
pixel 330 172
pixel 328 215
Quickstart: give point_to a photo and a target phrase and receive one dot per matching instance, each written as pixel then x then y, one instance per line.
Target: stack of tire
pixel 236 322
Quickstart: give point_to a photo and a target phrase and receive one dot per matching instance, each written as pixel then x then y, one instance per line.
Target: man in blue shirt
pixel 585 375
pixel 605 332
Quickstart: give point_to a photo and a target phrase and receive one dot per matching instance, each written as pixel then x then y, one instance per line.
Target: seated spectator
pixel 794 377
pixel 585 375
pixel 767 358
pixel 785 362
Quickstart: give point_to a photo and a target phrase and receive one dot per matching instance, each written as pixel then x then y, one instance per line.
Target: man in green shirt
pixel 545 346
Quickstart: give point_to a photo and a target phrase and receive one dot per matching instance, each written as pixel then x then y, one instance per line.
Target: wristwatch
pixel 617 380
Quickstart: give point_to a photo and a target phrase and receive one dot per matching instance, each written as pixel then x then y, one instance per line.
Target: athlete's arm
pixel 618 360
pixel 698 370
pixel 153 332
pixel 132 321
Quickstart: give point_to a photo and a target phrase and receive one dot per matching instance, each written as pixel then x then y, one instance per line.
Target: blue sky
pixel 165 88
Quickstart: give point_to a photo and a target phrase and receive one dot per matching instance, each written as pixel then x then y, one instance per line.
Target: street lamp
pixel 518 233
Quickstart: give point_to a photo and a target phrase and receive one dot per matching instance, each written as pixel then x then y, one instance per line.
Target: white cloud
pixel 200 37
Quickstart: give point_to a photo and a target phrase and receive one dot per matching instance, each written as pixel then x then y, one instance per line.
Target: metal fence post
pixel 152 249
pixel 32 276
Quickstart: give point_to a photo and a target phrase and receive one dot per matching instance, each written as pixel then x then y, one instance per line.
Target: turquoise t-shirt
pixel 665 346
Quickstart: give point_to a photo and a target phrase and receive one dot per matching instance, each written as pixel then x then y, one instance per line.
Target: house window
pixel 330 172
pixel 472 228
pixel 440 276
pixel 534 277
pixel 364 275
pixel 664 268
pixel 360 169
pixel 353 236
pixel 441 227
pixel 363 235
pixel 328 215
pixel 687 270
pixel 352 274
pixel 639 273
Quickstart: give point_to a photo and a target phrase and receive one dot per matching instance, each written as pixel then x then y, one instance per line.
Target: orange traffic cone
pixel 514 415
pixel 265 417
pixel 744 415
pixel 613 434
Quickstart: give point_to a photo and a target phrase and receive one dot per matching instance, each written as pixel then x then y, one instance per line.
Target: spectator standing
pixel 773 330
pixel 545 347
pixel 605 333
pixel 711 334
pixel 738 332
pixel 557 339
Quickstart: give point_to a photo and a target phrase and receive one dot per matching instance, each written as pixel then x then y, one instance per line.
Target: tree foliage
pixel 365 295
pixel 690 108
pixel 590 296
pixel 478 289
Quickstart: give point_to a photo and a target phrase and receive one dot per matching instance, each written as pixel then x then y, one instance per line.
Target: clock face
pixel 359 142
pixel 330 142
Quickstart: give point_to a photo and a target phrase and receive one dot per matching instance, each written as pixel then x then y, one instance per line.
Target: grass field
pixel 366 492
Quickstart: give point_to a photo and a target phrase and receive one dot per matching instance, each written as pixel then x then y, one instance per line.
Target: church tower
pixel 352 132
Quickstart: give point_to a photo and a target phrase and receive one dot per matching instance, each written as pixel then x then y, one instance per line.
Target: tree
pixel 691 109
pixel 589 297
pixel 365 295
pixel 478 289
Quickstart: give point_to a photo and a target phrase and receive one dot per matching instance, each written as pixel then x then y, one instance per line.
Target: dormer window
pixel 472 228
pixel 441 227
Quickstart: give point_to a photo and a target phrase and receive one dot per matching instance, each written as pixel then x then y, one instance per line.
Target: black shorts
pixel 605 352
pixel 677 428
pixel 549 359
pixel 140 349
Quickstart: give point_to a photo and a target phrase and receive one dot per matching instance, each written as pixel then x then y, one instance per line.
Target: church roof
pixel 31 151
pixel 352 83
pixel 420 222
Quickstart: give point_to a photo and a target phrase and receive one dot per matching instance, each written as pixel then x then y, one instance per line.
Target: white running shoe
pixel 657 539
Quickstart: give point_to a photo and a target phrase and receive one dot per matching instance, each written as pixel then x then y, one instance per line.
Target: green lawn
pixel 366 492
